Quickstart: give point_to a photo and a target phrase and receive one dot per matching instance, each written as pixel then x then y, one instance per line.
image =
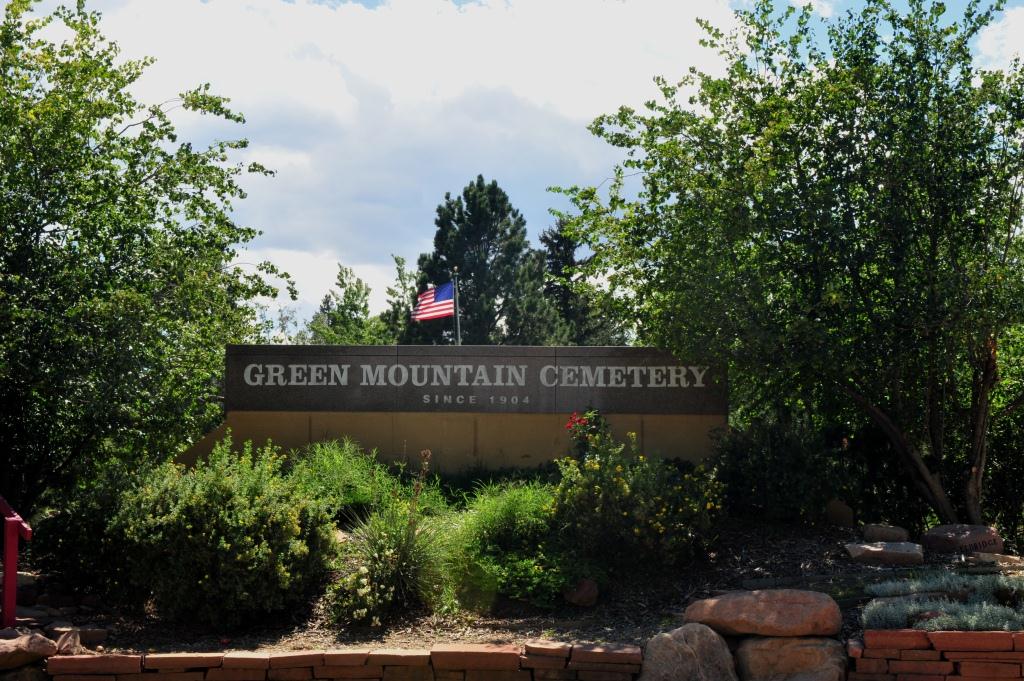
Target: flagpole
pixel 458 329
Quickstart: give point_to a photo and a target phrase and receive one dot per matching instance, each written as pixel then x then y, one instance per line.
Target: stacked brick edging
pixel 539 661
pixel 914 655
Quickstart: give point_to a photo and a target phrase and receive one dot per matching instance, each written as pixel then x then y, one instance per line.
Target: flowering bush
pixel 584 428
pixel 615 507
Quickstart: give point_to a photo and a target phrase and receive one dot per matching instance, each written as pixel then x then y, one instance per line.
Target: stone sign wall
pixel 483 379
pixel 472 406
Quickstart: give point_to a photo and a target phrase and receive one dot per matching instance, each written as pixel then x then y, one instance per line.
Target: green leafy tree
pixel 400 300
pixel 344 316
pixel 118 290
pixel 501 279
pixel 585 320
pixel 839 220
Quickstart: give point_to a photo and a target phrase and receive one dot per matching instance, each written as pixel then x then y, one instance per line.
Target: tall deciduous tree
pixel 117 288
pixel 837 219
pixel 501 279
pixel 344 316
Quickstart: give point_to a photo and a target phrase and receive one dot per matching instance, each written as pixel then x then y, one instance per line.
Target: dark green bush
pixel 786 468
pixel 504 546
pixel 227 540
pixel 72 540
pixel 614 508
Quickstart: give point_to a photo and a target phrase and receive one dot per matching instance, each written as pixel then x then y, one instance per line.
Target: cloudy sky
pixel 370 111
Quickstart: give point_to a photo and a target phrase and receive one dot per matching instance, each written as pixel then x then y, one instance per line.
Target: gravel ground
pixel 629 612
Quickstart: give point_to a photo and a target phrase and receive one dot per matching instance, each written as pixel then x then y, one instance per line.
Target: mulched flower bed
pixel 630 612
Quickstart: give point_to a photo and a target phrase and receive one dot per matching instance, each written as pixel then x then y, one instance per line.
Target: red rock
pixel 172 676
pixel 854 648
pixel 693 651
pixel 807 659
pixel 399 658
pixel 94 664
pixel 870 666
pixel 990 670
pixel 496 675
pixel 882 653
pixel 1018 642
pixel 902 639
pixel 182 660
pixel 346 657
pixel 298 658
pixel 971 640
pixel 449 675
pixel 924 677
pixel 553 675
pixel 85 677
pixel 548 648
pixel 474 656
pixel 920 655
pixel 349 672
pixel 983 655
pixel 243 659
pixel 772 612
pixel 604 676
pixel 584 593
pixel 25 649
pixel 541 662
pixel 607 652
pixel 604 667
pixel 407 673
pixel 857 676
pixel 241 674
pixel 921 666
pixel 288 673
pixel 963 539
pixel 886 553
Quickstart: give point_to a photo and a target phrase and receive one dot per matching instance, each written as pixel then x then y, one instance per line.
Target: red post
pixel 14 529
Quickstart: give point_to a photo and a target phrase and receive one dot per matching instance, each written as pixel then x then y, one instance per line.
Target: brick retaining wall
pixel 538 661
pixel 914 655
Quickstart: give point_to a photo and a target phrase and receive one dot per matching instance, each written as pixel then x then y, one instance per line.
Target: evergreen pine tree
pixel 501 279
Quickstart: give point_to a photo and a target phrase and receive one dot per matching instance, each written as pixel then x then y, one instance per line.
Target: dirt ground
pixel 630 612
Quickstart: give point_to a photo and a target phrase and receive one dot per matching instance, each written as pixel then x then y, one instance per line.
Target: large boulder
pixel 769 612
pixel 875 532
pixel 17 652
pixel 791 659
pixel 962 539
pixel 693 652
pixel 887 553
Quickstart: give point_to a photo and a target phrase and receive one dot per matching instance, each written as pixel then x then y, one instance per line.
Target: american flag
pixel 435 303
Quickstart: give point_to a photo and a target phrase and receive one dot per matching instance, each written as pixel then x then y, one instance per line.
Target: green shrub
pixel 786 467
pixel 615 508
pixel 72 539
pixel 503 546
pixel 394 559
pixel 350 482
pixel 224 541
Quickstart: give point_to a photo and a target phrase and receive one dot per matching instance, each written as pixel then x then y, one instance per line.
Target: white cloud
pixel 1001 41
pixel 370 115
pixel 826 8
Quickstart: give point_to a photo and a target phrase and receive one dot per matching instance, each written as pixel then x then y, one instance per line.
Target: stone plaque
pixel 497 379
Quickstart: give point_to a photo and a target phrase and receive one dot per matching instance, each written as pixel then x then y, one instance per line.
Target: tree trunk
pixel 926 482
pixel 981 406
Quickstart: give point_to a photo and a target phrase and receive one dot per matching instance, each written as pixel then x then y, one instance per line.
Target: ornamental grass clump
pixel 393 561
pixel 616 508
